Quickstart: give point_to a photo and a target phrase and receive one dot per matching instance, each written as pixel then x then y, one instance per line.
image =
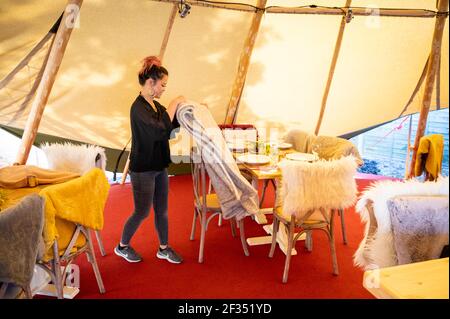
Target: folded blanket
pixel 79 201
pixel 236 196
pixel 20 236
pixel 19 176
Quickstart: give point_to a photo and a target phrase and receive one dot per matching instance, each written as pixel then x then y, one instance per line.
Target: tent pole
pixel 244 62
pixel 431 76
pixel 168 31
pixel 161 56
pixel 337 49
pixel 48 78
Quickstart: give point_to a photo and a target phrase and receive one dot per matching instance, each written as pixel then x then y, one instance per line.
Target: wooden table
pixel 422 280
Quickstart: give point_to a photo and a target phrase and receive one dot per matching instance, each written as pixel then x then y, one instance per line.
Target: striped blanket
pixel 236 196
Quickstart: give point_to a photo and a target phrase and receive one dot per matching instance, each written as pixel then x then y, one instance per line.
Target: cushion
pixel 420 227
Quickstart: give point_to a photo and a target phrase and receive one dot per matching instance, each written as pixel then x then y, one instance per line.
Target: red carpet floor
pixel 225 272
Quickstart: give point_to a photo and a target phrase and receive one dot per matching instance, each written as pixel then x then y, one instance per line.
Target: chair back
pixel 74 158
pixel 332 147
pixel 199 174
pixel 319 185
pixel 300 140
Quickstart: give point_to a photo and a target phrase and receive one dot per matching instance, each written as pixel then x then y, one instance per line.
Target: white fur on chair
pixel 74 158
pixel 377 250
pixel 323 184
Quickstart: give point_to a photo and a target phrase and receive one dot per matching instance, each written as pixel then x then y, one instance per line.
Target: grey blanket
pixel 419 227
pixel 236 196
pixel 21 239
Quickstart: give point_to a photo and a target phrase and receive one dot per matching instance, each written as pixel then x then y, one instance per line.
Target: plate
pixel 284 146
pixel 254 159
pixel 306 157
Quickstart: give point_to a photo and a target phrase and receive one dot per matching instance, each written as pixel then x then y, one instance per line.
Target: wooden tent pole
pixel 337 49
pixel 162 51
pixel 244 62
pixel 48 78
pixel 172 17
pixel 431 76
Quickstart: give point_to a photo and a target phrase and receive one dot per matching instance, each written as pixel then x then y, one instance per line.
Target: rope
pixel 396 128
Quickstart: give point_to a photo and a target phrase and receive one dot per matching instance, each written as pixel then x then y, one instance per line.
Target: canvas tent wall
pixel 380 62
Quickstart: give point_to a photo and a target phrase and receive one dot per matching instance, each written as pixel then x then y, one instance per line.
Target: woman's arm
pixel 172 108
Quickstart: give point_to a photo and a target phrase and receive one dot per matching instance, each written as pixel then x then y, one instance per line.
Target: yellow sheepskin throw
pixel 79 201
pixel 429 155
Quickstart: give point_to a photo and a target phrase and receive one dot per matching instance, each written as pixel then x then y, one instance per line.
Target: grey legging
pixel 148 187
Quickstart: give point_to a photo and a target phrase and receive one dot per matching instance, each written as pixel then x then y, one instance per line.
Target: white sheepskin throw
pixel 74 158
pixel 377 250
pixel 322 184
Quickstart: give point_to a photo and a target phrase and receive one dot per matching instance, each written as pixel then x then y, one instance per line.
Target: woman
pixel 151 126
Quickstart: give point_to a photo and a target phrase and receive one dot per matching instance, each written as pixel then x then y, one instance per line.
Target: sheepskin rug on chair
pixel 74 158
pixel 378 247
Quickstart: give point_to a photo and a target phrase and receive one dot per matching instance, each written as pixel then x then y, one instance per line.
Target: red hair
pixel 148 62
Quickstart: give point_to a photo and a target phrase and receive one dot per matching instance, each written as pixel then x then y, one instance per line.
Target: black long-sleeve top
pixel 150 132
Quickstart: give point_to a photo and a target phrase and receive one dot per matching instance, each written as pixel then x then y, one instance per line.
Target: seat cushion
pixel 420 227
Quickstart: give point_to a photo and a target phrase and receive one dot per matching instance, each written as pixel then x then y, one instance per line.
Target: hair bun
pixel 148 62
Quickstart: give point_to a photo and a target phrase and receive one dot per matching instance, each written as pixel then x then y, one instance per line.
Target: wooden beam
pixel 219 5
pixel 243 65
pixel 431 76
pixel 337 49
pixel 43 91
pixel 357 11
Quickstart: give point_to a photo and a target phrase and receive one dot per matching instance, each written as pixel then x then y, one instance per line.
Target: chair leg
pixel 56 269
pixel 332 246
pixel 276 224
pixel 289 250
pixel 243 240
pixel 309 241
pixel 202 237
pixel 93 261
pixel 100 242
pixel 193 225
pixel 28 293
pixel 3 287
pixel 266 183
pixel 233 226
pixel 344 234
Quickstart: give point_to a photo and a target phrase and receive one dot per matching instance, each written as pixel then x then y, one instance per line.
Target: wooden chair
pixel 57 266
pixel 206 205
pixel 78 159
pixel 309 195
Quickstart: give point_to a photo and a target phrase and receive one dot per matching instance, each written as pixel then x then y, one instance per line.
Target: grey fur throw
pixel 419 227
pixel 20 237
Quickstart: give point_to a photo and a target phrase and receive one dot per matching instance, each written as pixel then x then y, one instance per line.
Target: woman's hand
pixel 173 106
pixel 178 100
